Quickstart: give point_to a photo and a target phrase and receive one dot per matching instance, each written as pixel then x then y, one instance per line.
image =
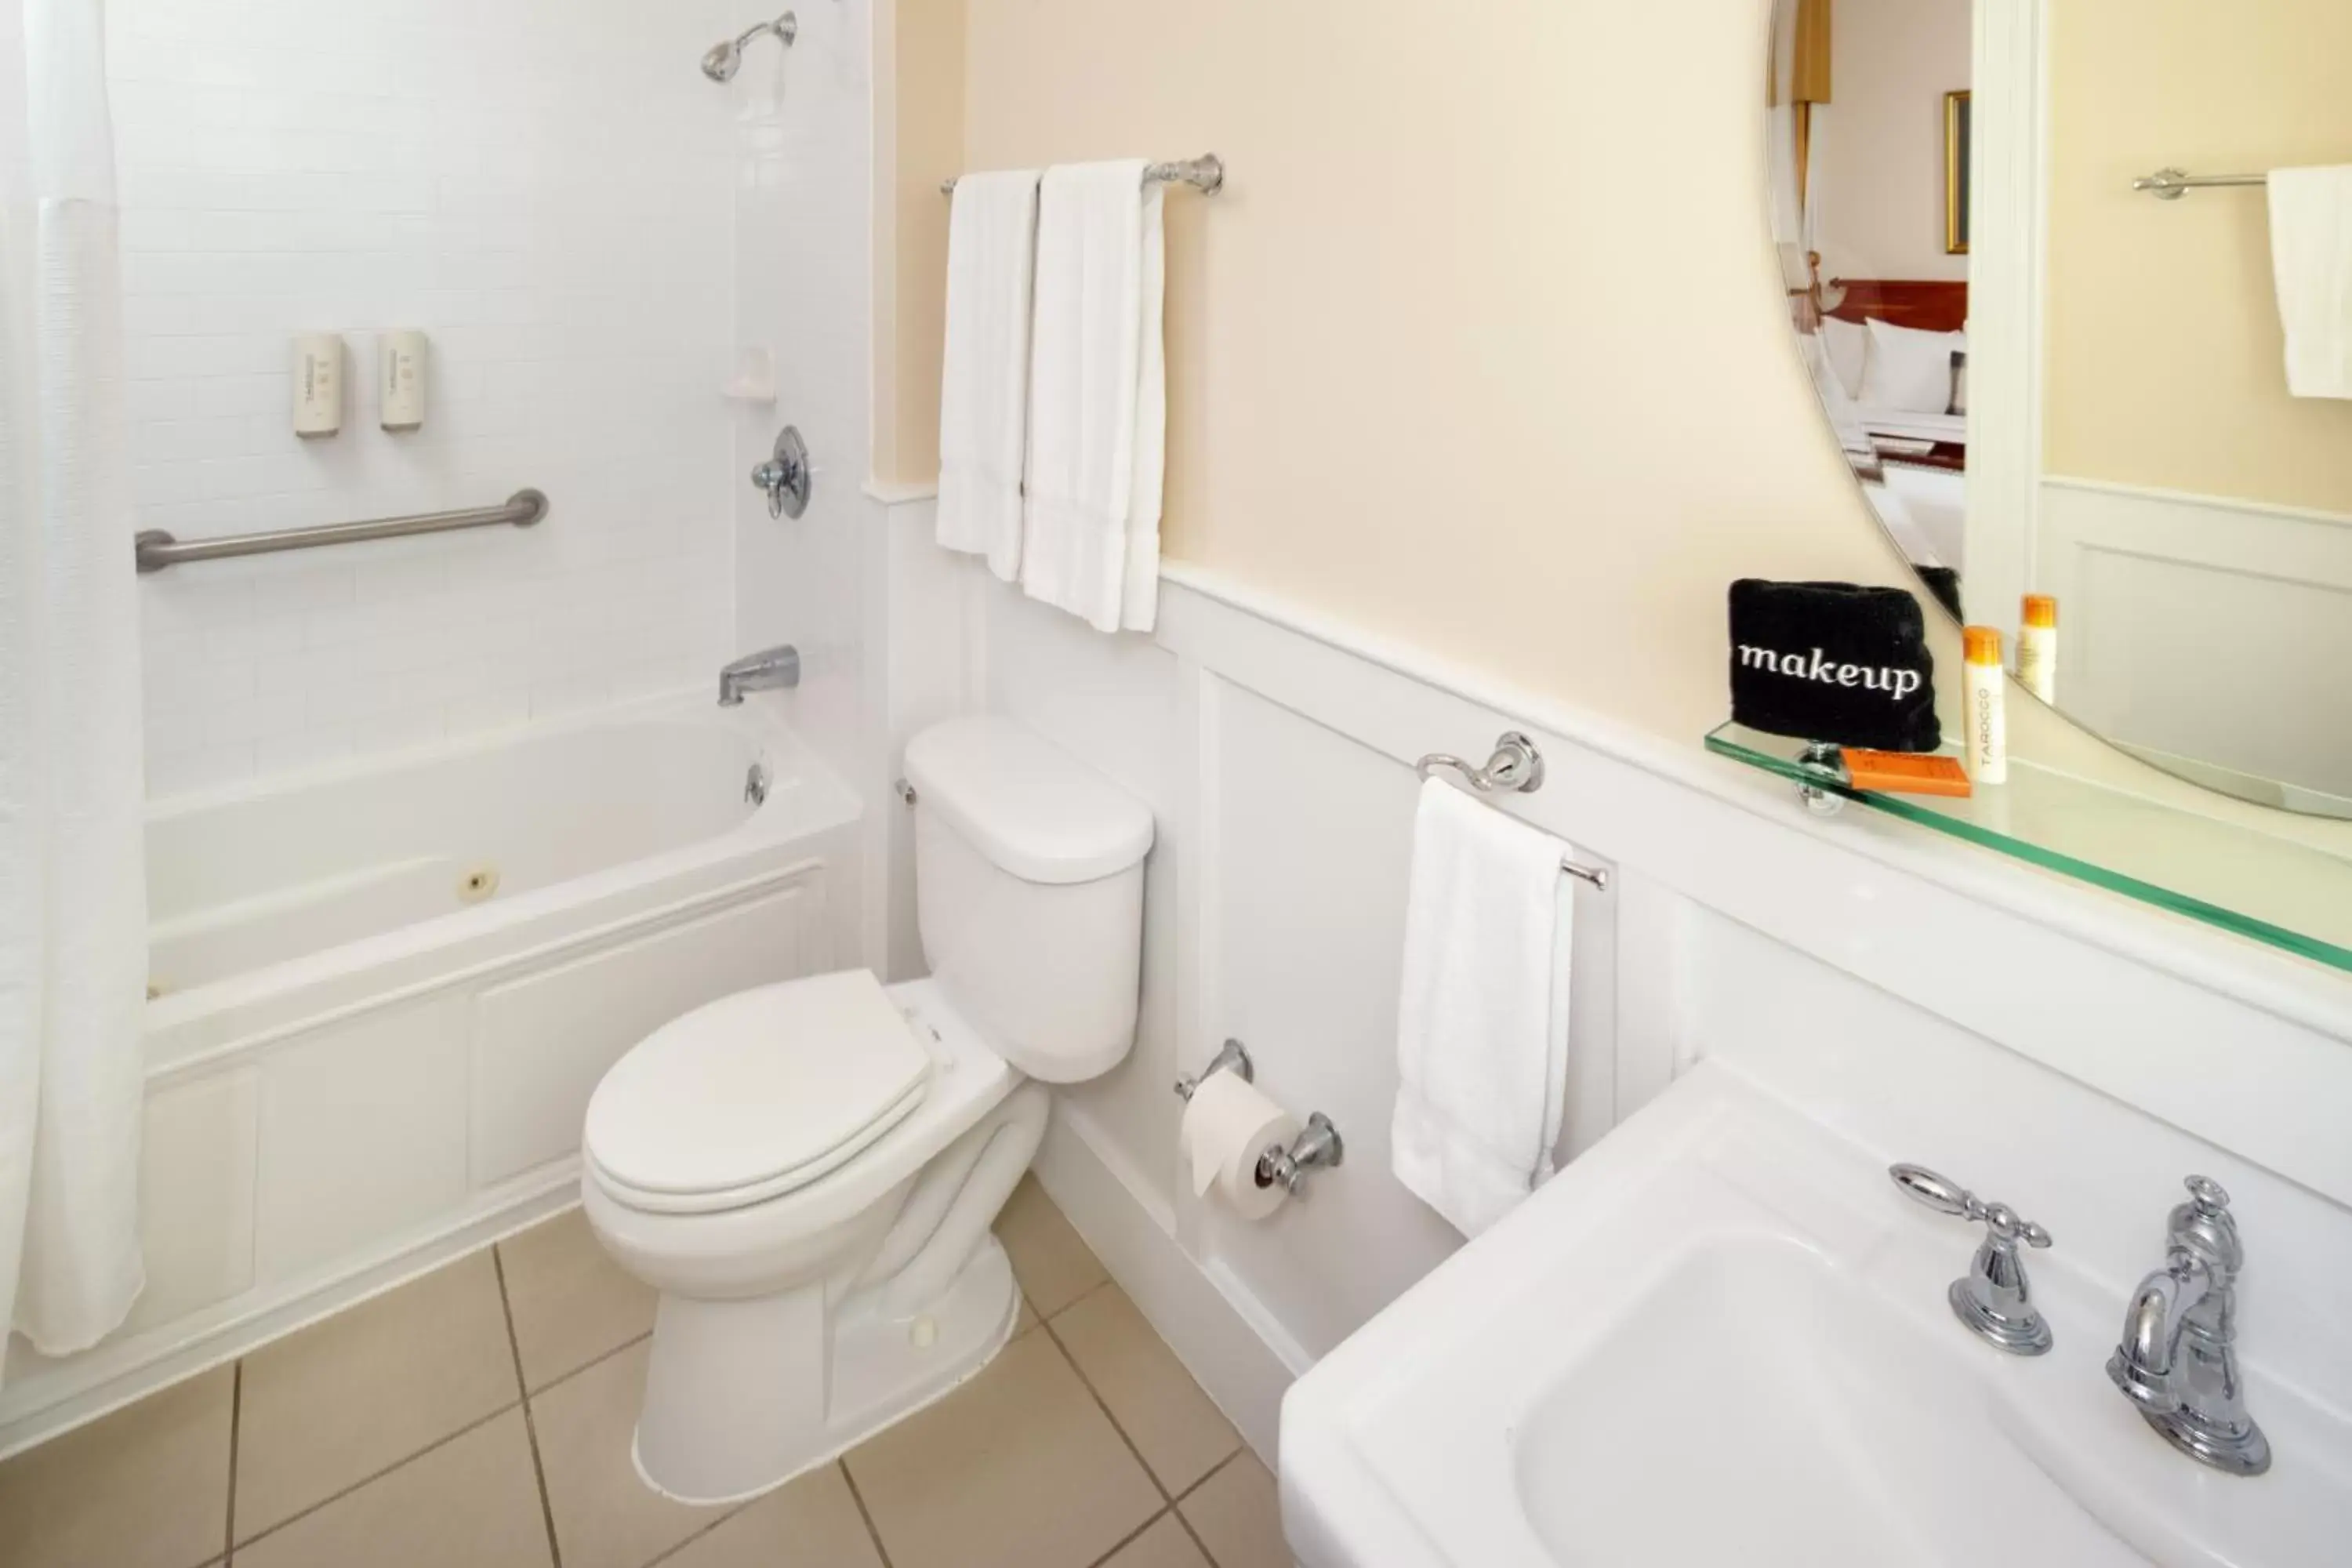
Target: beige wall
pixel 1484 344
pixel 2165 350
pixel 1878 165
pixel 919 69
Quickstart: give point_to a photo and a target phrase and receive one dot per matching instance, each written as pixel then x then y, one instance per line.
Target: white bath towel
pixel 1098 397
pixel 2311 252
pixel 985 382
pixel 1482 1027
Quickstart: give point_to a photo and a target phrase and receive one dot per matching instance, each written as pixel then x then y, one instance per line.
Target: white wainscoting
pixel 1276 752
pixel 2189 624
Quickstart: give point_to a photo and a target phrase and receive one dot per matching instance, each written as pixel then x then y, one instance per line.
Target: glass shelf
pixel 2273 890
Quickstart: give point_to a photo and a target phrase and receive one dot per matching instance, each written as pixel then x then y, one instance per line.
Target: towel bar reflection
pixel 1205 173
pixel 153 550
pixel 2171 184
pixel 1516 765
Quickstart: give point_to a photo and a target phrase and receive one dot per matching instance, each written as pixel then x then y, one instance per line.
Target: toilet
pixel 808 1172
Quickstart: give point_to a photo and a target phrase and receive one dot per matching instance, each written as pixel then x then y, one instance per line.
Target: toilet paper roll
pixel 1228 1125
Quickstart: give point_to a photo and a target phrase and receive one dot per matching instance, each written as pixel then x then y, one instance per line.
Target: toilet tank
pixel 1029 893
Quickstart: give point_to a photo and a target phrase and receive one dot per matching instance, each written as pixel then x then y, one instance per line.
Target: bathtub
pixel 380 995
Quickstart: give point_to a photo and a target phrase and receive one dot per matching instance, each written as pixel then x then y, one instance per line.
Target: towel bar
pixel 1205 173
pixel 1516 765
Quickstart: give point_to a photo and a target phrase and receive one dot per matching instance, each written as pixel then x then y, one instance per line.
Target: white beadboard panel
pixel 197 1170
pixel 1937 1002
pixel 2188 625
pixel 546 190
pixel 542 1043
pixel 363 1132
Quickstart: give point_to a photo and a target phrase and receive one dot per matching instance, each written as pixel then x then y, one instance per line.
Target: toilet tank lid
pixel 1035 810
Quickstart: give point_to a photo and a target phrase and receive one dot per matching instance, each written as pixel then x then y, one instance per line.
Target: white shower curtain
pixel 72 891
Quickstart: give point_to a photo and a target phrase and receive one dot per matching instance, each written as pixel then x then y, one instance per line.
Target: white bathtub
pixel 383 995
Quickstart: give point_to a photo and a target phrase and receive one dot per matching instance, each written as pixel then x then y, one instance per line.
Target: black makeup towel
pixel 1833 661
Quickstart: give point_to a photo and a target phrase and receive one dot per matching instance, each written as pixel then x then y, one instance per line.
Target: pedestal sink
pixel 1721 1338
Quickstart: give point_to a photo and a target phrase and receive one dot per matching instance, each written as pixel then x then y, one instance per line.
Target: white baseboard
pixel 117 1375
pixel 1204 1313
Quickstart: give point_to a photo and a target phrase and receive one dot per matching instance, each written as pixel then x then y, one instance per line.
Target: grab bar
pixel 154 549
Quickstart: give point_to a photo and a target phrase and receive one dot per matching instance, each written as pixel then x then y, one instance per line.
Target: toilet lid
pixel 756 1093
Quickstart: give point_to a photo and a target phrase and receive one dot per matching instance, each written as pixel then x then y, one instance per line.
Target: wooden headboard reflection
pixel 1924 306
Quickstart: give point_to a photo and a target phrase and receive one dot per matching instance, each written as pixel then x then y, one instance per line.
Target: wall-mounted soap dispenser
pixel 318 385
pixel 400 379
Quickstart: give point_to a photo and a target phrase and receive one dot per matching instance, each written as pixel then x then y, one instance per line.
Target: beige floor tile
pixel 1028 1319
pixel 605 1516
pixel 1018 1468
pixel 1054 1266
pixel 473 1502
pixel 1154 1400
pixel 347 1398
pixel 1238 1516
pixel 571 1302
pixel 1164 1545
pixel 811 1523
pixel 146 1486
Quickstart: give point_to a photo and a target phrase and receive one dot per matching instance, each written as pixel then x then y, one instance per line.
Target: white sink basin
pixel 1721 1338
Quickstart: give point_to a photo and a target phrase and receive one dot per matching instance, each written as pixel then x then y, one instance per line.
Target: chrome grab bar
pixel 154 549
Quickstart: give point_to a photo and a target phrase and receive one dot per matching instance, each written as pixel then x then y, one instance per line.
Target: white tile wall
pixel 543 186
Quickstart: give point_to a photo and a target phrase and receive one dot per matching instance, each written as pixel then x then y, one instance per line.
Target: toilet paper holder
pixel 1317 1147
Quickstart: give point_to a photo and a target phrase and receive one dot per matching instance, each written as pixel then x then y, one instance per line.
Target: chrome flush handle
pixel 1993 1298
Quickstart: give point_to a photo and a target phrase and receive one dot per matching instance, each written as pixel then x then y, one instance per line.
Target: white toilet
pixel 808 1172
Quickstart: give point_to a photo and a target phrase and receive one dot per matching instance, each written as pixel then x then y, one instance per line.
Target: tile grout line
pixel 873 1531
pixel 1131 1537
pixel 235 1422
pixel 439 1442
pixel 371 1478
pixel 1145 1465
pixel 522 1387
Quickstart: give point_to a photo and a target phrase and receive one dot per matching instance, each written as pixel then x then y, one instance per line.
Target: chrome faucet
pixel 761 671
pixel 2178 1357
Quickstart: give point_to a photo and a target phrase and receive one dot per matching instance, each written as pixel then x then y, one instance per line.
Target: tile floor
pixel 480 1417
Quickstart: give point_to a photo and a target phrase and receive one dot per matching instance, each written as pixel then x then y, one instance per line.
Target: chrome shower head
pixel 725 59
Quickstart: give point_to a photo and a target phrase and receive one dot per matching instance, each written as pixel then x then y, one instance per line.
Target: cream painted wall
pixel 1878 163
pixel 2165 349
pixel 1482 344
pixel 921 110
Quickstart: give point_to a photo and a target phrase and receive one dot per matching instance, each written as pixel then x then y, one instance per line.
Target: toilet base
pixel 730 1413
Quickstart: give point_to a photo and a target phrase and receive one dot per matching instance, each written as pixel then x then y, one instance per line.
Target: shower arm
pixel 786 27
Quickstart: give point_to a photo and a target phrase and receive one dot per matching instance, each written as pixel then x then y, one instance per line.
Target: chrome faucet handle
pixel 1993 1298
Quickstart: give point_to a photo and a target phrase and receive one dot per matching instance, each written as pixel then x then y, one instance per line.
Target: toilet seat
pixel 755 1095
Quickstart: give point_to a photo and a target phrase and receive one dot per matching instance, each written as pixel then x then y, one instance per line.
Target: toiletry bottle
pixel 2037 648
pixel 1988 725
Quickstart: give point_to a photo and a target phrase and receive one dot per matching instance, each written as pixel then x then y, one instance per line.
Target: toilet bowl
pixel 807 1172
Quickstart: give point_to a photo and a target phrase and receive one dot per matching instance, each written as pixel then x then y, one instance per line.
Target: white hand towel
pixel 2311 252
pixel 1482 1028
pixel 984 382
pixel 1098 397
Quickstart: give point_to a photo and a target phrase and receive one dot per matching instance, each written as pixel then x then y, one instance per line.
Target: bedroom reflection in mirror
pixel 2074 401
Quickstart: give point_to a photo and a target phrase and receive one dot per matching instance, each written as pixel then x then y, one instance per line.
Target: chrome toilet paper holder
pixel 1318 1146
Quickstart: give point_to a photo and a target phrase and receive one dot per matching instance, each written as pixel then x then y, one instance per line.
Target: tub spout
pixel 762 671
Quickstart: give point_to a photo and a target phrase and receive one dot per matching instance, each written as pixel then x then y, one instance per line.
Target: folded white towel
pixel 1098 397
pixel 1482 1028
pixel 984 383
pixel 2311 252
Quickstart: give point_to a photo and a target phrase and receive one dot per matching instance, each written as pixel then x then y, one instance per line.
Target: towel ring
pixel 1516 765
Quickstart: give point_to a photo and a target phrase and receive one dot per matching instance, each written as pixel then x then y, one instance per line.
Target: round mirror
pixel 2071 279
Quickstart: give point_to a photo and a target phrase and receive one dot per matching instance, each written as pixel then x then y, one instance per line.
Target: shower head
pixel 725 59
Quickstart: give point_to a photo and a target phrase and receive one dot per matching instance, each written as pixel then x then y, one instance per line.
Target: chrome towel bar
pixel 154 549
pixel 1516 765
pixel 1205 173
pixel 2171 184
